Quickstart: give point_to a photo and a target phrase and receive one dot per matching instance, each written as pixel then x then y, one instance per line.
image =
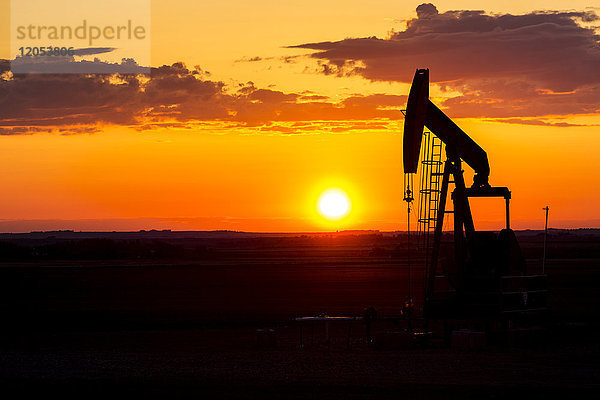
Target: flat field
pixel 214 316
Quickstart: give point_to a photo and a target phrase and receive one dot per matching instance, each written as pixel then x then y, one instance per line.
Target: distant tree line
pixel 93 249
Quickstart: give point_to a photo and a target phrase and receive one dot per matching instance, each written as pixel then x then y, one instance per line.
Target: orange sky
pixel 255 157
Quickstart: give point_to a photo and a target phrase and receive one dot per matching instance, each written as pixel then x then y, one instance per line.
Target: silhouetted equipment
pixel 545 240
pixel 486 273
pixel 408 198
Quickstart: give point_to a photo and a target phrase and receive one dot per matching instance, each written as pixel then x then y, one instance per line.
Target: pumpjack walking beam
pixel 422 112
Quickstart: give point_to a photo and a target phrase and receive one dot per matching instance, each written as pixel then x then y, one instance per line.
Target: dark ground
pixel 178 317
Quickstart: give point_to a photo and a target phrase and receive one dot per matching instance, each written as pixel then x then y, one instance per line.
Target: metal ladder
pixel 429 191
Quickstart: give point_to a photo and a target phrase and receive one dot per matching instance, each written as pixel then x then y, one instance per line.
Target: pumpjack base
pixel 489 297
pixel 517 302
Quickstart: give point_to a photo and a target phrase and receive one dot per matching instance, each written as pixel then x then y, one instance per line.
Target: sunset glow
pixel 240 117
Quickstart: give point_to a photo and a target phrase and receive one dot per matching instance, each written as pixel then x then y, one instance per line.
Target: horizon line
pixel 325 232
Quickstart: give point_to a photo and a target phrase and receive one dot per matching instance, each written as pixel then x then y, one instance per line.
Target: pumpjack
pixel 487 274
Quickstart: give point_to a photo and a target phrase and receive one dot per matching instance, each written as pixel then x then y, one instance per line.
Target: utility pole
pixel 545 240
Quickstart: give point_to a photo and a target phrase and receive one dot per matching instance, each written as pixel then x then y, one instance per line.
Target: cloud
pixel 92 50
pixel 68 64
pixel 172 96
pixel 501 63
pixel 540 122
pixel 251 59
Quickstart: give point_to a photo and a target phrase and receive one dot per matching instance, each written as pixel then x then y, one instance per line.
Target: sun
pixel 334 204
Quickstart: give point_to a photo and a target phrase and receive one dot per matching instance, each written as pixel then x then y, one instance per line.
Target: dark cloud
pixel 503 60
pixel 426 10
pixel 60 100
pixel 92 50
pixel 172 96
pixel 68 65
pixel 272 96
